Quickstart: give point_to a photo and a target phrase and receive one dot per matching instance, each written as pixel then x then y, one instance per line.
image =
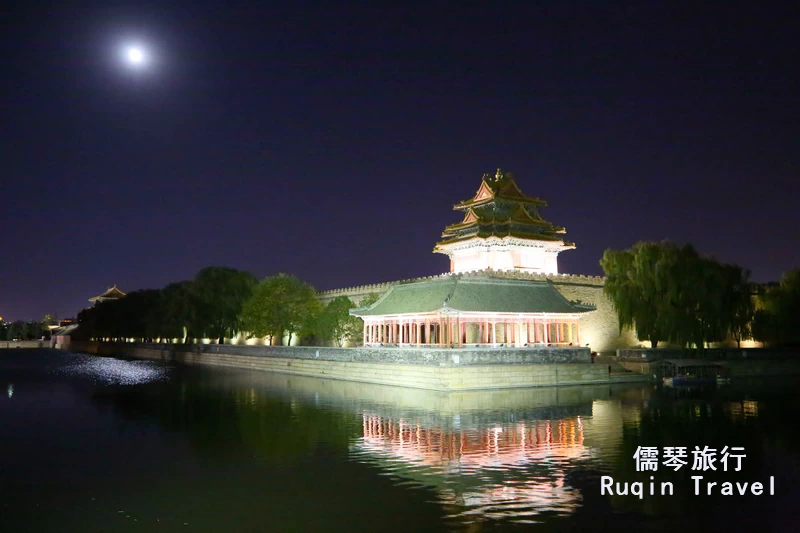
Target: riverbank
pixel 24 344
pixel 422 368
pixel 735 362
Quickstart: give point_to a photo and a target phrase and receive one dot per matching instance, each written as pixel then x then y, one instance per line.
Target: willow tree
pixel 670 293
pixel 280 305
pixel 741 303
pixel 637 290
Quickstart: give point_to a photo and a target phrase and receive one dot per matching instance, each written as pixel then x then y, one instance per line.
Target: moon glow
pixel 135 56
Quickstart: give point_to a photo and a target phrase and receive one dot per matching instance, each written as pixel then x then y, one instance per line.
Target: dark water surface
pixel 91 444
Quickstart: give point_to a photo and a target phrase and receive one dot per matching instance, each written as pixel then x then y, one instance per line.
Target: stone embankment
pixel 737 362
pixel 424 368
pixel 24 344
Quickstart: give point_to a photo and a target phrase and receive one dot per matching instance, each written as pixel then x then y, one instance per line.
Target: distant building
pixel 112 293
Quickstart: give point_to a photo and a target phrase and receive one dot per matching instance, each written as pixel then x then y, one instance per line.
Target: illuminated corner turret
pixel 502 230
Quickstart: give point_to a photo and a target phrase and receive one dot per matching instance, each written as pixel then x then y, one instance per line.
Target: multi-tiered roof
pixel 112 293
pixel 500 209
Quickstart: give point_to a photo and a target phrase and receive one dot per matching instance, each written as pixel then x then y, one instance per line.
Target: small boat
pixel 677 372
pixel 674 381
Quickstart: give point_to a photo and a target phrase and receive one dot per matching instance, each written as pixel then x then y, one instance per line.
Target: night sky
pixel 331 140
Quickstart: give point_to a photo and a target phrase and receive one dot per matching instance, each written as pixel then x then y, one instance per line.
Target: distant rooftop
pixel 112 293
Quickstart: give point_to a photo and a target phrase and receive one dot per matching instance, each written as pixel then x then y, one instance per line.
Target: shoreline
pixel 419 368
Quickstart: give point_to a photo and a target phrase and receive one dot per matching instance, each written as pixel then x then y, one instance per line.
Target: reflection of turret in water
pixel 511 468
pixel 484 454
pixel 499 445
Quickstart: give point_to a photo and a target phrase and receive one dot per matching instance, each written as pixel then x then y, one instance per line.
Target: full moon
pixel 135 55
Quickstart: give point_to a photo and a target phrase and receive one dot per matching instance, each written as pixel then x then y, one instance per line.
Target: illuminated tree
pixel 280 305
pixel 670 293
pixel 741 304
pixel 335 322
pixel 173 314
pixel 636 291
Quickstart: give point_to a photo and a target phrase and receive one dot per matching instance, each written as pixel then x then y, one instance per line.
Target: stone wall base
pixel 421 376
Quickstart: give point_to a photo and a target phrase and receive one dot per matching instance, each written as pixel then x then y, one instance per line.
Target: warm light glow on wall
pixel 750 343
pixel 506 257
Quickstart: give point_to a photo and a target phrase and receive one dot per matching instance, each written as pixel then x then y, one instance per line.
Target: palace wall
pixel 599 329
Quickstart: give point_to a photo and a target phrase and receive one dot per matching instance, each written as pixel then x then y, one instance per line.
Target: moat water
pixel 91 444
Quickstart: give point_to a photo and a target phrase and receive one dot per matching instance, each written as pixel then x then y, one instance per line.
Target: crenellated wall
pixel 599 329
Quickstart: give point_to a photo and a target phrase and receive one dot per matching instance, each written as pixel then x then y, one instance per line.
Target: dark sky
pixel 331 140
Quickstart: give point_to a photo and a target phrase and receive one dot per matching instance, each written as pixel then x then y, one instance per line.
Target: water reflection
pixel 739 411
pixel 223 449
pixel 512 470
pixel 486 455
pixel 110 371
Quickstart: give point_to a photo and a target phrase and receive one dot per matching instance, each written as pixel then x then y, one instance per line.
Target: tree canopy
pixel 369 299
pixel 217 295
pixel 208 306
pixel 22 330
pixel 281 305
pixel 335 322
pixel 670 293
pixel 778 319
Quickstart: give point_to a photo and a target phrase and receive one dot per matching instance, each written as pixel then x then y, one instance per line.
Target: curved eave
pixel 504 222
pixel 538 202
pixel 473 296
pixel 450 311
pixel 445 244
pixel 513 234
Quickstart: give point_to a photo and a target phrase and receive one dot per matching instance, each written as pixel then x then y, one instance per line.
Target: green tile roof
pixel 472 294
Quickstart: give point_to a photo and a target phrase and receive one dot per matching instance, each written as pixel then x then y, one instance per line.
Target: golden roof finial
pixel 499 175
